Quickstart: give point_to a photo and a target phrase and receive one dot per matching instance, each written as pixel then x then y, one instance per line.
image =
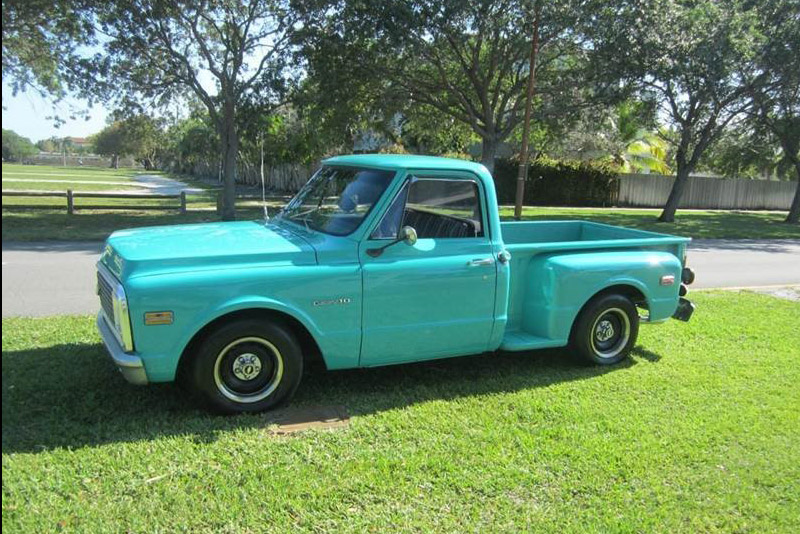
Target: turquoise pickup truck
pixel 378 260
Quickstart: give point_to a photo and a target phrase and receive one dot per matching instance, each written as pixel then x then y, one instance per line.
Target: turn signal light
pixel 153 318
pixel 668 280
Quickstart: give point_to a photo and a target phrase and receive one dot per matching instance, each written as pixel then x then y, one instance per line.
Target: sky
pixel 27 115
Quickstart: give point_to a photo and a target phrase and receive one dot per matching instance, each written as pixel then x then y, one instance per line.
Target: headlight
pixel 122 319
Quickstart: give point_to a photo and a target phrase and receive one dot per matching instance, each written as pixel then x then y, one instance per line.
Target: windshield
pixel 336 199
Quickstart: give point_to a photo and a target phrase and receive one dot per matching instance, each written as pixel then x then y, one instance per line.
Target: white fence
pixel 652 190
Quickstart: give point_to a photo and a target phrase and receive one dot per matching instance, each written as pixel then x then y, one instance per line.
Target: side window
pixel 444 209
pixel 393 218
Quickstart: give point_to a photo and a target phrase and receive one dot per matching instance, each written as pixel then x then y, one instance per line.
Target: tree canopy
pixel 774 83
pixel 685 56
pixel 465 60
pixel 223 53
pixel 645 85
pixel 16 147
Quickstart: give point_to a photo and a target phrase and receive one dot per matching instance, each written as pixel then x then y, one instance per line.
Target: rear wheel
pixel 606 329
pixel 246 366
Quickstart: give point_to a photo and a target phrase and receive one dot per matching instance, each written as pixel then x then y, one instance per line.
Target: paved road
pixel 744 262
pixel 41 279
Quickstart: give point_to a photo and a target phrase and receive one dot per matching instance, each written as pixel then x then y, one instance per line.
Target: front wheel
pixel 606 330
pixel 246 366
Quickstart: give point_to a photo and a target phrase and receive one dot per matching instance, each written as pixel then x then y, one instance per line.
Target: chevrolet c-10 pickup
pixel 378 260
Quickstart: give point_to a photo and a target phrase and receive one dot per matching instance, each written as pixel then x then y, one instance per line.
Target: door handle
pixel 480 261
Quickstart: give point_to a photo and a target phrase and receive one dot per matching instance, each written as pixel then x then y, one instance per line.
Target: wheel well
pixel 312 355
pixel 629 291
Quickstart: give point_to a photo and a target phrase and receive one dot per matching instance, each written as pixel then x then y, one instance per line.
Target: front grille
pixel 106 301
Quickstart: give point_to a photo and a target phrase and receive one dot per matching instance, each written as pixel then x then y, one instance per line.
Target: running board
pixel 519 341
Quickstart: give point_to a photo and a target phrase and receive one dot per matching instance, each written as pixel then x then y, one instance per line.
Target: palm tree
pixel 634 148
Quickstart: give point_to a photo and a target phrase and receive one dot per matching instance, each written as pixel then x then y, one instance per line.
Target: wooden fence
pixel 71 195
pixel 284 178
pixel 652 190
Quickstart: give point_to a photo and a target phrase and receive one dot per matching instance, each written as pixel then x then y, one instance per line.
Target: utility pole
pixel 522 174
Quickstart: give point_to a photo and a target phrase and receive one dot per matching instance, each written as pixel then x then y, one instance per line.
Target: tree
pixel 468 60
pixel 775 87
pixel 49 145
pixel 110 141
pixel 634 145
pixel 139 136
pixel 747 151
pixel 161 50
pixel 42 40
pixel 626 135
pixel 16 147
pixel 191 143
pixel 143 138
pixel 686 55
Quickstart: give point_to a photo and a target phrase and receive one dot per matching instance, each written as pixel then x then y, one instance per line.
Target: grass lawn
pixel 699 432
pixel 88 226
pixel 55 178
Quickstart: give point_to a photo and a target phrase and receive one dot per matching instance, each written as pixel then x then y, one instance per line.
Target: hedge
pixel 558 183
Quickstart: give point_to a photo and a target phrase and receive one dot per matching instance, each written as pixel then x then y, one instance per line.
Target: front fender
pixel 197 299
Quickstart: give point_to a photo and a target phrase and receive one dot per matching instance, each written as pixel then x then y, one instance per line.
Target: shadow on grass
pixel 71 396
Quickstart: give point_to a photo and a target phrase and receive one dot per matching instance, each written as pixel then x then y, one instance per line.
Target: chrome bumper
pixel 129 365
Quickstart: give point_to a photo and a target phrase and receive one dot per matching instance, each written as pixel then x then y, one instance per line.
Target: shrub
pixel 558 183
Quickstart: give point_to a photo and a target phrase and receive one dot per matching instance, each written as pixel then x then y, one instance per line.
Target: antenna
pixel 263 182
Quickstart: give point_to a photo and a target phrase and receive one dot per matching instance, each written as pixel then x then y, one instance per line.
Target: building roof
pixel 405 161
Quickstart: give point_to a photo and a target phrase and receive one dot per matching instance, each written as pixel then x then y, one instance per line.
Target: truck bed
pixel 538 316
pixel 560 235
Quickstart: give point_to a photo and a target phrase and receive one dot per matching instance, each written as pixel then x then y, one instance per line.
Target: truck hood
pixel 192 247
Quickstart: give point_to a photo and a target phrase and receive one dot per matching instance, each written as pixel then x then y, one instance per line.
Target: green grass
pixel 55 178
pixel 699 432
pixel 57 225
pixel 57 172
pixel 88 226
pixel 63 186
pixel 698 224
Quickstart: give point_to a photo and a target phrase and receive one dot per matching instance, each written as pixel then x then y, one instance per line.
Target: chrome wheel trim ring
pixel 625 335
pixel 264 392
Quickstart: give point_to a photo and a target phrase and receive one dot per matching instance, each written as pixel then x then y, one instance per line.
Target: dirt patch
pixel 293 420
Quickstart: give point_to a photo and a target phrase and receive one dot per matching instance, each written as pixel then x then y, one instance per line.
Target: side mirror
pixel 406 235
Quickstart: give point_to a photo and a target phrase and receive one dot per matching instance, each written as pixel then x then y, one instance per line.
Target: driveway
pixel 41 279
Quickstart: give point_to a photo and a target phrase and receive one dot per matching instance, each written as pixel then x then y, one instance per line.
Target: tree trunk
pixel 115 161
pixel 668 215
pixel 794 211
pixel 488 153
pixel 229 137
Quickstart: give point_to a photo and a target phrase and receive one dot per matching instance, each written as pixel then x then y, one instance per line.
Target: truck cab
pixel 378 260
